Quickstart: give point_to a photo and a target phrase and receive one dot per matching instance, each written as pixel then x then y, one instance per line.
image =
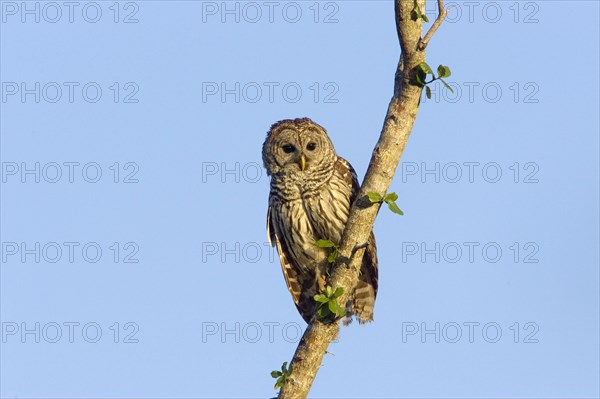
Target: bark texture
pixel 397 126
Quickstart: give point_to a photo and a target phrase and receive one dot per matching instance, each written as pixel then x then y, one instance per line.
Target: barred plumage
pixel 312 189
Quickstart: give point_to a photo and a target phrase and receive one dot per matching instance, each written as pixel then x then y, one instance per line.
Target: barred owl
pixel 312 189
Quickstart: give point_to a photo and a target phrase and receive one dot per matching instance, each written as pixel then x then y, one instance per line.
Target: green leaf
pixel 275 373
pixel 425 68
pixel 420 77
pixel 338 310
pixel 394 208
pixel 328 291
pixel 321 298
pixel 427 91
pixel 416 12
pixel 332 256
pixel 283 367
pixel 325 244
pixel 424 17
pixel 447 86
pixel 290 369
pixel 390 197
pixel 338 292
pixel 333 306
pixel 323 312
pixel 443 71
pixel 374 197
pixel 421 73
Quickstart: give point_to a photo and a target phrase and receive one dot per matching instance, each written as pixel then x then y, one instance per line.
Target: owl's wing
pixel 287 264
pixel 348 174
pixel 370 263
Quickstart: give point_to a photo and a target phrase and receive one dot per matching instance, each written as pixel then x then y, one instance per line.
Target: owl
pixel 311 191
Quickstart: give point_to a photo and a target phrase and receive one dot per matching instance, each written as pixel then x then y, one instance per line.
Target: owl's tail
pixel 362 305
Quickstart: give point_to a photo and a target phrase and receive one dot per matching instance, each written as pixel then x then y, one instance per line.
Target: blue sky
pixel 134 254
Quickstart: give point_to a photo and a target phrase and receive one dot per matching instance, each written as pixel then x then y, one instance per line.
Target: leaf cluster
pixel 422 70
pixel 328 308
pixel 389 199
pixel 283 375
pixel 328 244
pixel 416 13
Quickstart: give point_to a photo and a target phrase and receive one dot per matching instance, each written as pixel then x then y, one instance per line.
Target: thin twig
pixel 436 24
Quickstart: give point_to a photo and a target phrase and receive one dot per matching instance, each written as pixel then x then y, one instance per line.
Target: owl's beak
pixel 302 162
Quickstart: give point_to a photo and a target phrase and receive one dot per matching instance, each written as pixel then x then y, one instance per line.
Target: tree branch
pixel 442 12
pixel 397 126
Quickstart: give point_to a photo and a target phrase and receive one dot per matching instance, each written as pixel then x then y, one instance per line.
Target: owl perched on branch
pixel 312 189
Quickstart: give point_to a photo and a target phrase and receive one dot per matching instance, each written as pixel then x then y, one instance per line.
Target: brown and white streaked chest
pixel 295 229
pixel 327 209
pixel 329 205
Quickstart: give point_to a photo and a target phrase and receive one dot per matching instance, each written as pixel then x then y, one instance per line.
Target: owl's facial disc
pixel 298 147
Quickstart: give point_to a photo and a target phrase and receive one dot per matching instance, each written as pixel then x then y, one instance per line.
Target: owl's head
pixel 297 146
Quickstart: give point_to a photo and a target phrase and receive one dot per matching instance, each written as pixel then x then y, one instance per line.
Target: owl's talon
pixel 357 247
pixel 322 283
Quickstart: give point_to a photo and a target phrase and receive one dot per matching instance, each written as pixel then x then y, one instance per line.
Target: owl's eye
pixel 288 148
pixel 311 146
